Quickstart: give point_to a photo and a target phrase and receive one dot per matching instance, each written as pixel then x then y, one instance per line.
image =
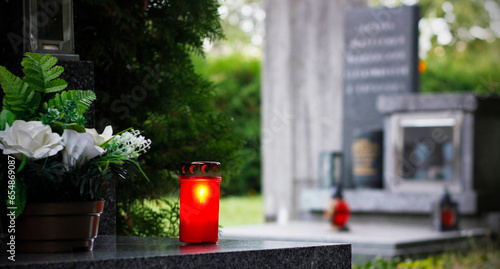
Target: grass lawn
pixel 486 257
pixel 240 210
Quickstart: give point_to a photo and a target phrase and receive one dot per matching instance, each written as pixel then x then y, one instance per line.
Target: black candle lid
pixel 201 168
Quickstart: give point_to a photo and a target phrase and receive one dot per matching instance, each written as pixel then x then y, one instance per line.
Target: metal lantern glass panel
pixel 50 27
pixel 199 202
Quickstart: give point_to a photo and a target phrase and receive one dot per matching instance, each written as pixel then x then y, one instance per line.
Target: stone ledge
pixel 140 252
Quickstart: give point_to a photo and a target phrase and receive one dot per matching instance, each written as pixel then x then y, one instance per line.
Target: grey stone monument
pixel 380 57
pixel 301 97
pixel 432 142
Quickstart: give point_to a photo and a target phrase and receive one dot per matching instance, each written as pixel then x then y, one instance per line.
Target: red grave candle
pixel 341 214
pixel 199 202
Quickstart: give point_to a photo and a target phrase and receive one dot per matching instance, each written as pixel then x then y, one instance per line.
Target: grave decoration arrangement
pixel 49 157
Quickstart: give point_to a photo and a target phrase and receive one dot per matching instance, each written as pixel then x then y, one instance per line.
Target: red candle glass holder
pixel 341 214
pixel 199 202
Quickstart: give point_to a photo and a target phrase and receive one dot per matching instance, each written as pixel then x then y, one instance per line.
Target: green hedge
pixel 476 70
pixel 237 86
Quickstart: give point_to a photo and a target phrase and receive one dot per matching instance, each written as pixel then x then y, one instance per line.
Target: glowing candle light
pixel 199 202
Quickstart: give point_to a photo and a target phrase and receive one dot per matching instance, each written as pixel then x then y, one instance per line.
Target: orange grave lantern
pixel 199 202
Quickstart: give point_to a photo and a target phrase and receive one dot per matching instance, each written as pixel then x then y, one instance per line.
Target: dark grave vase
pixel 367 151
pixel 58 227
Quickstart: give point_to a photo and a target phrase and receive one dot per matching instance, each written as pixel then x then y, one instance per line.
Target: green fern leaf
pixel 83 100
pixel 6 117
pixel 17 92
pixel 35 101
pixel 47 61
pixel 55 72
pixel 55 85
pixel 29 97
pixel 41 73
pixel 33 77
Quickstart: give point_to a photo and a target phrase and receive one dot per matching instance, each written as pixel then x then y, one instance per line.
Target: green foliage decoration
pixel 42 74
pixel 82 99
pixel 6 117
pixel 17 93
pixel 38 96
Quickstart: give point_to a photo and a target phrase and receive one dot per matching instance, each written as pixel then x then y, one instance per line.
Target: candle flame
pixel 202 194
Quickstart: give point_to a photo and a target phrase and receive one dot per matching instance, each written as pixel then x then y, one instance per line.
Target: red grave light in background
pixel 446 215
pixel 337 211
pixel 199 202
pixel 341 212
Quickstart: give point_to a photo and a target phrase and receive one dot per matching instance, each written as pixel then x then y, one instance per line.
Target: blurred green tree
pixel 459 41
pixel 237 84
pixel 243 24
pixel 145 78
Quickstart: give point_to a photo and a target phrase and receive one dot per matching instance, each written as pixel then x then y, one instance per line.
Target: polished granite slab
pixel 141 252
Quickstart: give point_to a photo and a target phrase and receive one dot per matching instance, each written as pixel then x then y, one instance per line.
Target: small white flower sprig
pixel 124 146
pixel 129 144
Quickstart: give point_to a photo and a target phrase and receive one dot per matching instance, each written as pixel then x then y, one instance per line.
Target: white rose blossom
pixel 79 147
pixel 99 139
pixel 33 139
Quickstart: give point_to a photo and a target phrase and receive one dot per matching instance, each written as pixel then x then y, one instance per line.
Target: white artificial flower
pixel 129 144
pixel 33 139
pixel 79 147
pixel 99 139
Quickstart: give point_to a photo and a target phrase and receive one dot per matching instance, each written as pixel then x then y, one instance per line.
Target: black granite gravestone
pixel 380 58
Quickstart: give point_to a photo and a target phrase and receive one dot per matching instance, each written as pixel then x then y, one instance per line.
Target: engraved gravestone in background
pixel 380 57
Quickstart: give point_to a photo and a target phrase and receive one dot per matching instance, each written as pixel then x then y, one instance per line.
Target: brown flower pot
pixel 58 227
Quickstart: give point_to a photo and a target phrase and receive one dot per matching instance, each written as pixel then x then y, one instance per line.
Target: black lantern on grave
pixel 445 216
pixel 48 28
